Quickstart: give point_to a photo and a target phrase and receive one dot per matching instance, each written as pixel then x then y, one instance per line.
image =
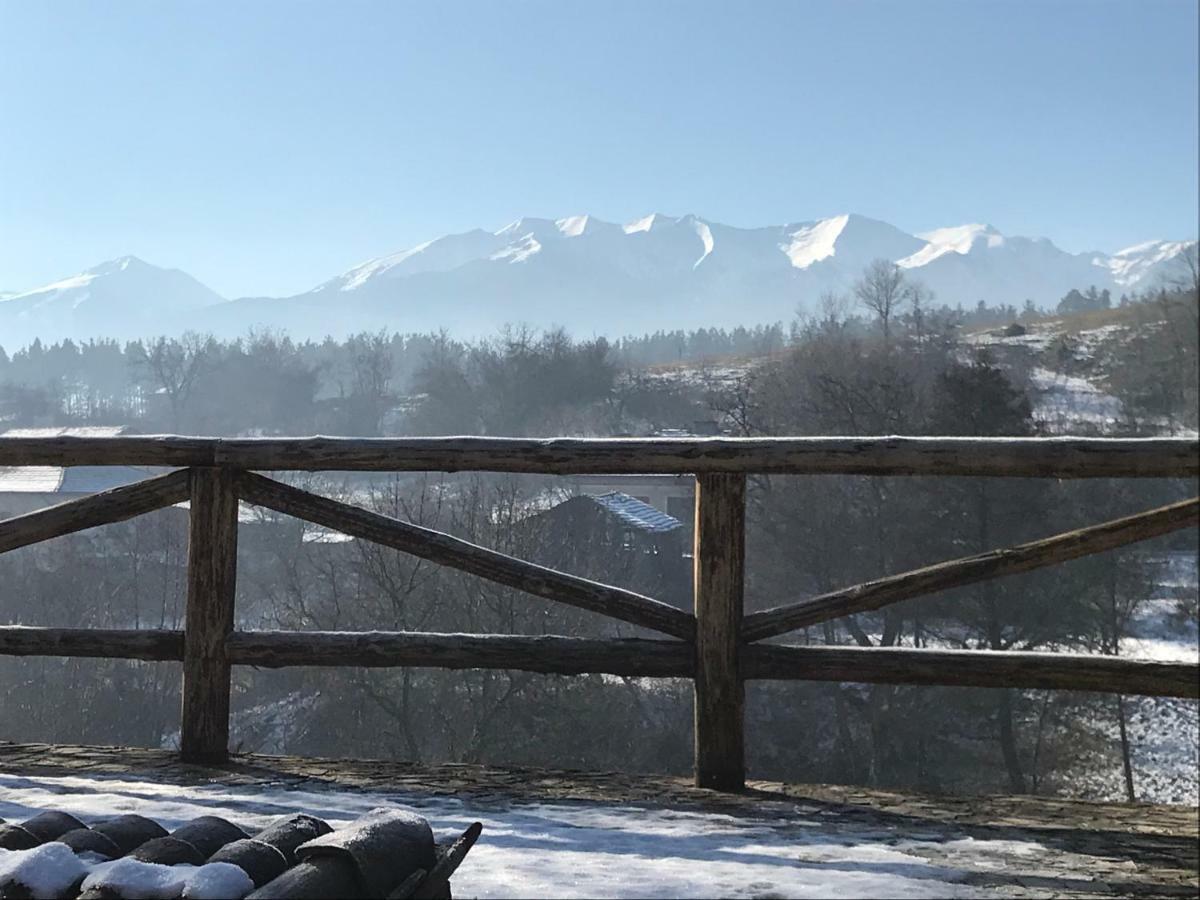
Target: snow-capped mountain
pixel 593 276
pixel 665 271
pixel 123 298
pixel 1148 263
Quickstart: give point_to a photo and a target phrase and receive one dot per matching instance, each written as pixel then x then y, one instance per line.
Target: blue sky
pixel 266 146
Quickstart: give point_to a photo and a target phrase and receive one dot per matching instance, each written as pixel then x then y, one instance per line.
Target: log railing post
pixel 212 575
pixel 719 560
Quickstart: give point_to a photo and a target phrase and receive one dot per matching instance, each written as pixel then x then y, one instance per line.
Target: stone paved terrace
pixel 1082 849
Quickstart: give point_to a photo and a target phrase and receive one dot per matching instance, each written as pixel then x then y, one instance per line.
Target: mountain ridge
pixel 590 275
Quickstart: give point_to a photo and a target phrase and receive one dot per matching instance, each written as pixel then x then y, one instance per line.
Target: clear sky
pixel 266 146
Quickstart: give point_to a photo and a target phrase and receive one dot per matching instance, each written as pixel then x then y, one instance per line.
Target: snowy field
pixel 589 850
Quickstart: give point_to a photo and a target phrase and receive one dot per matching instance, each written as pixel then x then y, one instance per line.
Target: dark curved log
pixel 447 550
pixel 954 573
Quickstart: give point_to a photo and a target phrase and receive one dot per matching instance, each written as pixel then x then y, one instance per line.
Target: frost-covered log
pixel 1066 457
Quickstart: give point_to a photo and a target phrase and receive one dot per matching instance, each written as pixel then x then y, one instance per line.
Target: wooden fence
pixel 717 645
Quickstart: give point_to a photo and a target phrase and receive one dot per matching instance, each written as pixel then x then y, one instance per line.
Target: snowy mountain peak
pixel 960 239
pixel 657 271
pixel 1147 262
pixel 852 239
pixel 125 296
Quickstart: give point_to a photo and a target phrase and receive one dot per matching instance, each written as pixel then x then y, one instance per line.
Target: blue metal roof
pixel 635 513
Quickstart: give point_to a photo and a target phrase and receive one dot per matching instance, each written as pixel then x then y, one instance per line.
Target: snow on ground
pixel 1164 732
pixel 582 850
pixel 1036 337
pixel 1063 402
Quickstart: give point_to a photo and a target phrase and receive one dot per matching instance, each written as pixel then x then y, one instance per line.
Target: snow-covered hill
pixel 593 276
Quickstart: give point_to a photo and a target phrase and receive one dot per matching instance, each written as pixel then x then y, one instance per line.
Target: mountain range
pixel 592 276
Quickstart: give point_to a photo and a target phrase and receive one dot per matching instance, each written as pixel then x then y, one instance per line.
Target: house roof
pixel 64 480
pixel 635 513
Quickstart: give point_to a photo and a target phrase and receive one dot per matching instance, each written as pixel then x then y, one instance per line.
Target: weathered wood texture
pixel 447 550
pixel 212 578
pixel 96 643
pixel 971 569
pixel 973 668
pixel 628 657
pixel 1065 457
pixel 546 653
pixel 719 561
pixel 104 508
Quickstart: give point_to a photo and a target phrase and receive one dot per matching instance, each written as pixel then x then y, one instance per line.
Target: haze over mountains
pixel 590 276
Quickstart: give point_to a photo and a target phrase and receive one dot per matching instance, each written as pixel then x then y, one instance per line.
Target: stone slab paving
pixel 1084 849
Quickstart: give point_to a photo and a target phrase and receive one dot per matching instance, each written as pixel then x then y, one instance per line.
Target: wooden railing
pixel 716 646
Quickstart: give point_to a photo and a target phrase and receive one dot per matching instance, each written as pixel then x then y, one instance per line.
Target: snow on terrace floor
pixel 555 850
pixel 603 850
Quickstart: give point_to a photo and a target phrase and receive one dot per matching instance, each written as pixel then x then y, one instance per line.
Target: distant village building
pixel 618 539
pixel 673 494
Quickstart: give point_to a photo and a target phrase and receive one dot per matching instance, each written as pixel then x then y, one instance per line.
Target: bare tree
pixel 883 289
pixel 172 367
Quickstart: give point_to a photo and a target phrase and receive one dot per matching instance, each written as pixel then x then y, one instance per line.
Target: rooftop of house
pixel 634 513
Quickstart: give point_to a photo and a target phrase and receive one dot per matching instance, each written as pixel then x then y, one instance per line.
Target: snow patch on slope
pixel 1133 264
pixel 706 238
pixel 813 243
pixel 960 239
pixel 572 226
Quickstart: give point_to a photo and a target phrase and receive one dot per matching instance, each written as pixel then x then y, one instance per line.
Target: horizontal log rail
pixel 447 550
pixel 1059 457
pixel 549 654
pixel 92 643
pixel 974 668
pixel 629 657
pixel 955 573
pixel 104 508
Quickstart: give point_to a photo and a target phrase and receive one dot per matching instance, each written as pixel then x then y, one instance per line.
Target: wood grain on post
pixel 104 508
pixel 954 573
pixel 212 583
pixel 973 668
pixel 1058 457
pixel 719 562
pixel 447 550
